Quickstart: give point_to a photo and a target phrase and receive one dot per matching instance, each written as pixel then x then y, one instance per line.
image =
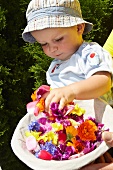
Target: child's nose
pixel 53 48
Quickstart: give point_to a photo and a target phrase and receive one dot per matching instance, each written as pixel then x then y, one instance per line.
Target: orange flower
pixel 33 96
pixel 86 131
pixel 71 132
pixel 76 144
pixel 41 105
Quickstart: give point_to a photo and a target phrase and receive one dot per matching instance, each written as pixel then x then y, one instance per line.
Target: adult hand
pixel 104 162
pixel 108 138
pixel 99 166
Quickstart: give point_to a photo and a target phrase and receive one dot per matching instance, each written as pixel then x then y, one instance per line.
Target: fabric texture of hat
pixel 43 14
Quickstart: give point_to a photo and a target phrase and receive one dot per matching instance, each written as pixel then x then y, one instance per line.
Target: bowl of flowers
pixel 66 139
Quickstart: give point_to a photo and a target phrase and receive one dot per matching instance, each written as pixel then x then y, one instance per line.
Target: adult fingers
pixel 108 158
pixel 108 138
pixel 101 159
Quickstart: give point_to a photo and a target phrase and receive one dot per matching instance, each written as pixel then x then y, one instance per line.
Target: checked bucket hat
pixel 43 14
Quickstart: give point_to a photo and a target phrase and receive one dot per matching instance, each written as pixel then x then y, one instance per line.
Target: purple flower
pixel 37 153
pixel 89 146
pixel 34 126
pixel 77 118
pixel 49 147
pixel 99 136
pixel 42 120
pixel 63 152
pixel 55 111
pixel 65 122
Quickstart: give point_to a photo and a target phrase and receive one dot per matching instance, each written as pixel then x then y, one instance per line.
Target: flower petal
pixel 31 106
pixel 31 143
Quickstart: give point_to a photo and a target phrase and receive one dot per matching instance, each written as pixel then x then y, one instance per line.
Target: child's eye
pixel 60 39
pixel 43 44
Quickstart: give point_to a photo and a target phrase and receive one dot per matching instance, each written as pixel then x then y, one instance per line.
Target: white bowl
pixel 95 108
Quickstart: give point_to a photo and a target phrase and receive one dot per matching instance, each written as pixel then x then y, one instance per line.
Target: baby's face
pixel 59 43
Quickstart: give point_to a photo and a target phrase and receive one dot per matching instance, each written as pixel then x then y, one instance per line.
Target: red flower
pixel 43 154
pixel 62 138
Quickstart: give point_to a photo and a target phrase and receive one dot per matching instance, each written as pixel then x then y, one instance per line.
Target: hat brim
pixel 53 22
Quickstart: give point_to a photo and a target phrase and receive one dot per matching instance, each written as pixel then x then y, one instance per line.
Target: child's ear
pixel 80 28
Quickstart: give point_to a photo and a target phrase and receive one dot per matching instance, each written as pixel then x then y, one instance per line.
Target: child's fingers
pixel 62 103
pixel 51 98
pixel 48 102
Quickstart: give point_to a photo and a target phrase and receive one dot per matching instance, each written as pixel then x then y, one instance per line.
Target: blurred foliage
pixel 23 66
pixel 40 65
pixel 98 12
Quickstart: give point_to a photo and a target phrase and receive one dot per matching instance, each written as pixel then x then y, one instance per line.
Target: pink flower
pixel 31 143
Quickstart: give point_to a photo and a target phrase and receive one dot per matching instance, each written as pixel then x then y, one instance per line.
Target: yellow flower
pixel 73 122
pixel 69 144
pixel 44 138
pixel 77 110
pixel 32 133
pixel 49 136
pixel 57 126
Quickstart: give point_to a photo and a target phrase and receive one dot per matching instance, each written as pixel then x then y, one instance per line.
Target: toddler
pixel 80 70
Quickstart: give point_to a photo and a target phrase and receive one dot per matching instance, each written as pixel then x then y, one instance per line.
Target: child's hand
pixel 62 95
